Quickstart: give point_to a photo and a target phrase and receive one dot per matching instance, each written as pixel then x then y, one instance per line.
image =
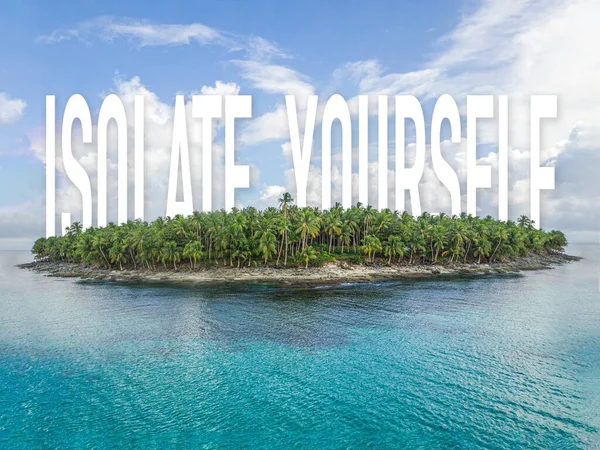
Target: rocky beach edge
pixel 330 274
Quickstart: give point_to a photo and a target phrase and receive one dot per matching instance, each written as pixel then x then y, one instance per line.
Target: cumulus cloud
pixel 158 124
pixel 221 88
pixel 273 79
pixel 270 126
pixel 11 109
pixel 269 193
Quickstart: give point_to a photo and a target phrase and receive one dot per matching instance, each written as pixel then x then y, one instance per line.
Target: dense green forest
pixel 289 235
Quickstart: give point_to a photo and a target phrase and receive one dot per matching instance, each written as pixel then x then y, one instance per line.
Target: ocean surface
pixel 497 362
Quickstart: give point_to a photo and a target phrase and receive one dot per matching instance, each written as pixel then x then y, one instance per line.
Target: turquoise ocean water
pixel 498 362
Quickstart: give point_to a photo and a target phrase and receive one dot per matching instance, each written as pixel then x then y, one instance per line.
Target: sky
pixel 269 49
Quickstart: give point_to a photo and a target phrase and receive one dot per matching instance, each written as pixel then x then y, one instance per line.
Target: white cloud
pixel 271 126
pixel 271 192
pixel 221 88
pixel 158 117
pixel 11 109
pixel 258 48
pixel 514 48
pixel 372 81
pixel 147 34
pixel 256 68
pixel 143 33
pixel 275 79
pixel 286 148
pixel 140 32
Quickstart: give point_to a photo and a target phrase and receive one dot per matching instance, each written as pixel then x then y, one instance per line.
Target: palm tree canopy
pixel 268 236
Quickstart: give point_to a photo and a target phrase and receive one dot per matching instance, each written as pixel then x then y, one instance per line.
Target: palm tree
pixel 75 229
pixel 438 241
pixel 371 245
pixel 267 245
pixel 394 248
pixel 481 247
pixel 500 234
pixel 308 254
pixel 333 226
pixel 252 236
pixel 367 216
pixel 193 252
pixel 308 226
pixel 99 243
pixel 118 254
pixel 524 222
pixel 170 253
pixel 345 237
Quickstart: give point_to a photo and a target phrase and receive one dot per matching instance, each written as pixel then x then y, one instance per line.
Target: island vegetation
pixel 298 237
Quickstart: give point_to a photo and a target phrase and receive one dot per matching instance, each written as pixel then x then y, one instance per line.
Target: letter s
pixel 77 108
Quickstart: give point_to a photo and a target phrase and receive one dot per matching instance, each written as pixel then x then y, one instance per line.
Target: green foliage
pixel 304 236
pixel 358 260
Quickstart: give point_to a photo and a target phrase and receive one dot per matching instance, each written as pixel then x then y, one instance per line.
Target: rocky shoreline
pixel 330 274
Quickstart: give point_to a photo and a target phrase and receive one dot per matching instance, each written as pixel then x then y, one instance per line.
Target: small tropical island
pixel 293 245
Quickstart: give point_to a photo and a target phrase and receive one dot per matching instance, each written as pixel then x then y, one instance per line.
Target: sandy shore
pixel 330 274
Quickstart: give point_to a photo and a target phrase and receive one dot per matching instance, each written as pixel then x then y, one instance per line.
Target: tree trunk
pixel 280 249
pixel 133 259
pixel 495 250
pixel 105 258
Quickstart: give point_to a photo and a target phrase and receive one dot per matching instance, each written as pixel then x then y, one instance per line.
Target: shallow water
pixel 494 362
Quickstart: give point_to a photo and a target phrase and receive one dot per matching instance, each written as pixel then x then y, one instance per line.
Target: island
pixel 294 245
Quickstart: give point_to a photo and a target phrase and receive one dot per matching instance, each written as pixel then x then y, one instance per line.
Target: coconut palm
pixel 308 255
pixel 394 248
pixel 193 252
pixel 371 245
pixel 267 245
pixel 250 236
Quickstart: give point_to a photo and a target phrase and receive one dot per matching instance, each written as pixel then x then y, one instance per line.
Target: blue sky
pixel 265 47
